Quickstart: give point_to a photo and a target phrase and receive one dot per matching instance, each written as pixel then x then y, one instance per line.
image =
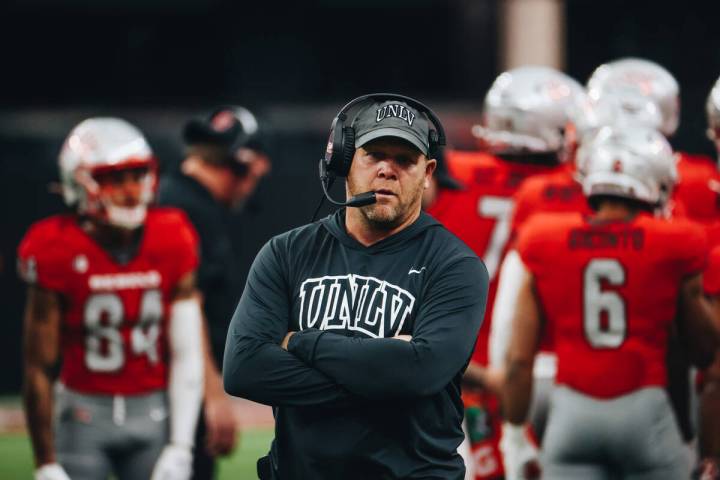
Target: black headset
pixel 341 143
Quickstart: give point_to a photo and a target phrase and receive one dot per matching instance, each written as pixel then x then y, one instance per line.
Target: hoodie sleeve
pixel 255 366
pixel 443 338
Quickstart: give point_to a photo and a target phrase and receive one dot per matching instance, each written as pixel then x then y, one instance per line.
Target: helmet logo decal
pixel 223 121
pixel 617 166
pixel 80 264
pixel 557 90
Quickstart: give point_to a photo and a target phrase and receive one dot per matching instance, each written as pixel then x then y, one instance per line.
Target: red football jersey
pixel 464 165
pixel 608 292
pixel 480 214
pixel 711 276
pixel 558 192
pixel 698 190
pixel 713 233
pixel 113 334
pixel 551 192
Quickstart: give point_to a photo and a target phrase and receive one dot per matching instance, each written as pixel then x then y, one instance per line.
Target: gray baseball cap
pixel 392 118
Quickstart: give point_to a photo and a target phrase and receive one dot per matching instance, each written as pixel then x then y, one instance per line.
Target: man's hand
pixel 221 424
pixel 483 378
pixel 707 469
pixel 175 463
pixel 405 338
pixel 285 341
pixel 51 471
pixel 520 455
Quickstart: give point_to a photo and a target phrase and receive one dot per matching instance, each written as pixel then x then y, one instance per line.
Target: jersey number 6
pixel 143 338
pixel 604 317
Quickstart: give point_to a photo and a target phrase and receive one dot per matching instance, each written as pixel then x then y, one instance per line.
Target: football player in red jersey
pixel 545 365
pixel 111 296
pixel 709 431
pixel 525 113
pixel 696 193
pixel 608 287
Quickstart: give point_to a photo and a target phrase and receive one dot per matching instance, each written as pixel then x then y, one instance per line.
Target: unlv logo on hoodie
pixel 353 302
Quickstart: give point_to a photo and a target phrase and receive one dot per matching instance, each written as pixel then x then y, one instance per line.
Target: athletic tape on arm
pixel 511 273
pixel 185 388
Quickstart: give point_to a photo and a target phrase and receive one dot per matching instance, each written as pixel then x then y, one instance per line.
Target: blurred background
pixel 294 64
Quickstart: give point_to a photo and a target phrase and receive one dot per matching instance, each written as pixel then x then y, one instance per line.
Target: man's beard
pixel 388 217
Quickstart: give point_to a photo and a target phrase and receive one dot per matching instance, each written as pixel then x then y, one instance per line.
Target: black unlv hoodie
pixel 351 402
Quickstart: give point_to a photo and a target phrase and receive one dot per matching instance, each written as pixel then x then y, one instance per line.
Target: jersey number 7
pixel 500 209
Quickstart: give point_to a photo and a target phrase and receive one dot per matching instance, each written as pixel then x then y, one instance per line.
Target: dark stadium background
pixel 156 62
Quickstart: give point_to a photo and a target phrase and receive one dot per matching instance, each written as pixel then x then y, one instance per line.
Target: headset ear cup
pixel 348 150
pixel 333 154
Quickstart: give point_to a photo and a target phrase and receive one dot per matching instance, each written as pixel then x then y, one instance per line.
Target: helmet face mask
pixel 108 172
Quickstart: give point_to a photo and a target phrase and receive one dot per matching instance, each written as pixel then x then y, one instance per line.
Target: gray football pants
pixel 96 435
pixel 634 436
pixel 540 404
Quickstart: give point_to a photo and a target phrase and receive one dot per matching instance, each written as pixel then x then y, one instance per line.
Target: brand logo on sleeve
pixel 353 302
pixel 81 264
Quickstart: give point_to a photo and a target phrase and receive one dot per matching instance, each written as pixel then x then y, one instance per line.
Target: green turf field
pixel 16 458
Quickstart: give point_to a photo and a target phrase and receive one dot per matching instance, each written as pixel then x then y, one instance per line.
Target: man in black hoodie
pixel 357 328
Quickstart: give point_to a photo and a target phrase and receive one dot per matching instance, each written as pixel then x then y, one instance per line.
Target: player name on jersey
pixel 122 281
pixel 354 302
pixel 582 238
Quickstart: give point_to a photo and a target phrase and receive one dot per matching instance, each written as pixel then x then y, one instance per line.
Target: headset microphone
pixel 367 198
pixel 327 179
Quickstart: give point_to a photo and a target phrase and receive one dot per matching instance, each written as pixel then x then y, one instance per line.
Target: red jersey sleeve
pixel 466 166
pixel 713 234
pixel 41 258
pixel 525 199
pixel 691 245
pixel 711 279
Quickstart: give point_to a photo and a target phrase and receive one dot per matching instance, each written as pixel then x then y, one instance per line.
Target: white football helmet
pixel 636 91
pixel 103 145
pixel 527 110
pixel 712 109
pixel 631 162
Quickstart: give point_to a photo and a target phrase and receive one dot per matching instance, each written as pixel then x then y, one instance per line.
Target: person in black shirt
pixel 223 165
pixel 357 328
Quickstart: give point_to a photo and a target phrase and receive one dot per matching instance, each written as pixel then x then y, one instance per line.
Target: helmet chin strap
pixel 126 217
